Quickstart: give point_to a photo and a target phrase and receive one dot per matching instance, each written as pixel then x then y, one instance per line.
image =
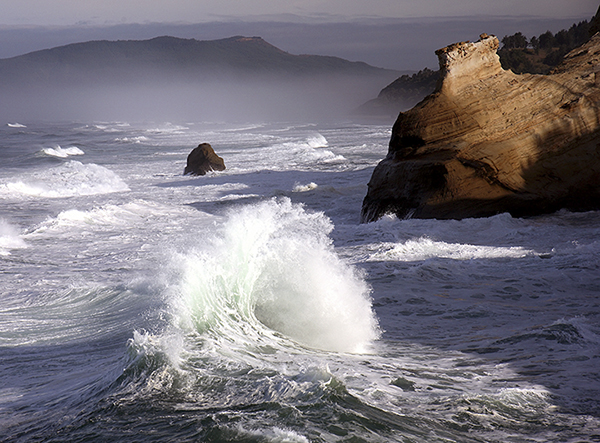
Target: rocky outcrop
pixel 488 141
pixel 203 159
pixel 400 95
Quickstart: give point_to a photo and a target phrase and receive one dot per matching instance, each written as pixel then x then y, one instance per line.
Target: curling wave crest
pixel 272 271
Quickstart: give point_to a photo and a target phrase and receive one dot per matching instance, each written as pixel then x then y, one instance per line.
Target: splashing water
pixel 9 238
pixel 272 271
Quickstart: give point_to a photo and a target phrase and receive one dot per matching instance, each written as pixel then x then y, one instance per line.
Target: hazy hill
pixel 189 59
pixel 400 95
pixel 239 78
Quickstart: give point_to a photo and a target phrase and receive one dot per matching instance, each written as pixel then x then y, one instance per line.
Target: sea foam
pixel 425 248
pixel 300 153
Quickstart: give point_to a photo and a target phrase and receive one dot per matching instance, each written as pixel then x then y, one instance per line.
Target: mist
pixel 324 98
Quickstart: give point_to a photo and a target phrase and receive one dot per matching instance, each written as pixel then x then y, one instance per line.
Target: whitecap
pixel 16 125
pixel 110 127
pixel 168 128
pixel 304 188
pixel 274 435
pixel 305 153
pixel 137 140
pixel 317 141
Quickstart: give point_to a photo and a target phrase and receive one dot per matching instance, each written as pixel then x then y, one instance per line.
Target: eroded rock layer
pixel 489 141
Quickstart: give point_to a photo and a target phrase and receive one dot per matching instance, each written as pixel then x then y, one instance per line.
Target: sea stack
pixel 488 141
pixel 203 159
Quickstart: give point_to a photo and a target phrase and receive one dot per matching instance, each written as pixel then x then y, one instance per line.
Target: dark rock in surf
pixel 203 159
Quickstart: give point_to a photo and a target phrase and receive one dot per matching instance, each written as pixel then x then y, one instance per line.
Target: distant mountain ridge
pixel 243 78
pixel 189 59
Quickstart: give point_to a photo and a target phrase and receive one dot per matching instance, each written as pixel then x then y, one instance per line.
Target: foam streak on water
pixel 251 305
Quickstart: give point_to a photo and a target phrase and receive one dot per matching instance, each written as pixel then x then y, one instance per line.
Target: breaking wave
pixel 272 271
pixel 60 152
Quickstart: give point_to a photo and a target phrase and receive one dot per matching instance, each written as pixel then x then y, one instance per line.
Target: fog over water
pixel 402 44
pixel 320 99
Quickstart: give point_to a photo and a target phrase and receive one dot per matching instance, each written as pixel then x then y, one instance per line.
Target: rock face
pixel 203 159
pixel 488 141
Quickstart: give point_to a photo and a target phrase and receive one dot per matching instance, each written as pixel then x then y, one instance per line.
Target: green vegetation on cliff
pixel 542 53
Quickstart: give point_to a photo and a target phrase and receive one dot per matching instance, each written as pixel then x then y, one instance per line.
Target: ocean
pixel 251 305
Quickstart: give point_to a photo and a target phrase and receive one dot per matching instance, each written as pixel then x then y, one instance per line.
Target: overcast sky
pixel 105 12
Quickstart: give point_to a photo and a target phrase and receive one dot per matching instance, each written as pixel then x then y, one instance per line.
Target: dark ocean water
pixel 250 305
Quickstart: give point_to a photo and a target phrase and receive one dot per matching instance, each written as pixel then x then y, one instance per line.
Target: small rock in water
pixel 203 159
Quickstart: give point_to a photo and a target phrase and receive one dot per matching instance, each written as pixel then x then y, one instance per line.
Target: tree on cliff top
pixel 517 40
pixel 541 54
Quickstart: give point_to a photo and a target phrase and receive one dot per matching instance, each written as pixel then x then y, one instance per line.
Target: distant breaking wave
pixel 425 248
pixel 70 179
pixel 60 152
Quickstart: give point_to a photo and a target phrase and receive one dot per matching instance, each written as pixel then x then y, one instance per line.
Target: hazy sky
pixel 107 12
pixel 396 34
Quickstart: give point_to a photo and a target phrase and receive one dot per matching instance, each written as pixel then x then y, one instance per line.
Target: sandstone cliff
pixel 488 141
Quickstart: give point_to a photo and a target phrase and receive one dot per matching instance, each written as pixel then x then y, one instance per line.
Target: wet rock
pixel 203 159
